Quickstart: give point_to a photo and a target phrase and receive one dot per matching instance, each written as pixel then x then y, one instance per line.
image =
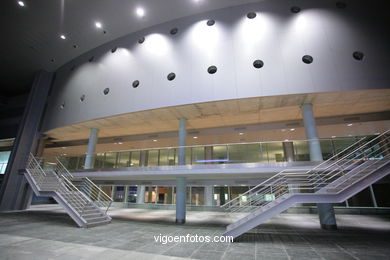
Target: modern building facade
pixel 194 112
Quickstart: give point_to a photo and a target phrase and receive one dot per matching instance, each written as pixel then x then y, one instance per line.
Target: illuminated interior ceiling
pixel 234 112
pixel 46 34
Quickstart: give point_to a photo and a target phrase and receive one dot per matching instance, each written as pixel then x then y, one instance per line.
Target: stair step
pixel 98 223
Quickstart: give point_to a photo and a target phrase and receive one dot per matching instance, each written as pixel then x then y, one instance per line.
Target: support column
pixel 181 190
pixel 90 157
pixel 126 194
pixel 15 192
pixel 208 195
pixel 325 210
pixel 113 188
pixel 140 194
pixel 181 182
pixel 288 149
pixel 182 140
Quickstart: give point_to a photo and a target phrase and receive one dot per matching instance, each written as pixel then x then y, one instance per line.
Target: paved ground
pixel 50 234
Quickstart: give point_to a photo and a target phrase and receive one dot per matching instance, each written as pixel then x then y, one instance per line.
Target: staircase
pixel 333 181
pixel 86 204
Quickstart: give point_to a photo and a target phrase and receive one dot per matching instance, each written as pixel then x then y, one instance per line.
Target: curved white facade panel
pixel 277 36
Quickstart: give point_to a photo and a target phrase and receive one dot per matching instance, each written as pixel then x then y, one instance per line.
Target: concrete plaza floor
pixel 48 233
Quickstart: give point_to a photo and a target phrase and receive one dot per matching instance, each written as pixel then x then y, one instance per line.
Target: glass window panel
pixel 135 158
pixel 382 194
pixel 164 195
pixel 220 154
pixel 123 159
pixel 167 157
pixel 301 151
pixel 119 194
pixel 326 148
pixel 99 160
pixel 198 155
pixel 110 160
pixel 132 194
pixel 341 144
pixel 244 153
pixel 275 152
pixel 197 196
pixel 153 158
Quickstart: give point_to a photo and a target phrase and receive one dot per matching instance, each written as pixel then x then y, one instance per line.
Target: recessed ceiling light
pixel 62 36
pixel 292 129
pixel 63 147
pixel 195 137
pixel 286 140
pixel 98 25
pixel 350 124
pixel 333 136
pixel 377 133
pixel 283 130
pixel 21 3
pixel 154 140
pixel 120 143
pixel 140 12
pixel 241 133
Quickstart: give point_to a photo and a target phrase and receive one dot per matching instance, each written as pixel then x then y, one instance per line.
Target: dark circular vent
pixel 358 55
pixel 141 40
pixel 62 105
pixel 135 83
pixel 91 59
pixel 258 64
pixel 82 98
pixel 171 76
pixel 106 91
pixel 210 22
pixel 212 69
pixel 52 60
pixel 251 15
pixel 75 46
pixel 341 5
pixel 173 31
pixel 114 49
pixel 307 59
pixel 295 9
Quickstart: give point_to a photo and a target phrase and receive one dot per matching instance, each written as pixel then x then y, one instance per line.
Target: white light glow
pixel 350 124
pixel 21 3
pixel 195 137
pixel 140 12
pixel 154 140
pixel 157 44
pixel 62 36
pixel 292 129
pixel 333 136
pixel 241 133
pixel 98 25
pixel 206 38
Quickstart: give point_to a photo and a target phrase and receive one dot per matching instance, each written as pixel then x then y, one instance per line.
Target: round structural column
pixel 182 140
pixel 208 195
pixel 325 210
pixel 140 194
pixel 90 157
pixel 181 190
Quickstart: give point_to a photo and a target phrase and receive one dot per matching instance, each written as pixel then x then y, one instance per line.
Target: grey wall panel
pixel 276 36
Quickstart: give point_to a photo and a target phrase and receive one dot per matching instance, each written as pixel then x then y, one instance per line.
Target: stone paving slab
pixel 52 235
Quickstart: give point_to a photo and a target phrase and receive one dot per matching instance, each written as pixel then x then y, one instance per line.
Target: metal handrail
pixel 281 172
pixel 280 178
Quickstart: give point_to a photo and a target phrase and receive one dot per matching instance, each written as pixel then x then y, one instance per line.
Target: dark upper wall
pixel 276 36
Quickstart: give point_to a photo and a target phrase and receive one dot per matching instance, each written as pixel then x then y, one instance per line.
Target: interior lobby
pixel 266 123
